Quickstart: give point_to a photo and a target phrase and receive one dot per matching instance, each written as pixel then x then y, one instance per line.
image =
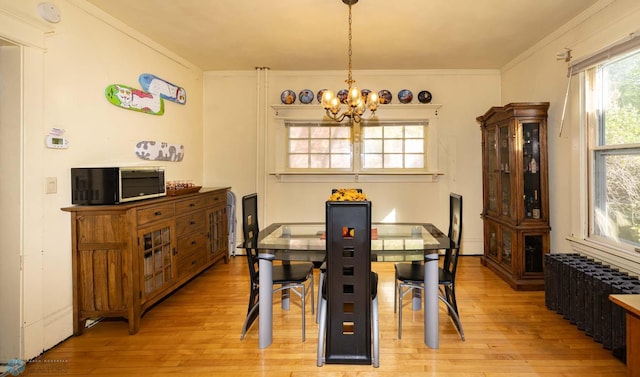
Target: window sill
pixel 622 259
pixel 357 177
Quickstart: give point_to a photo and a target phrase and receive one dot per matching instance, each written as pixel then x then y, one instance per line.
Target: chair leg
pixel 375 332
pixel 245 326
pixel 303 312
pixel 322 325
pixel 398 292
pixel 454 316
pixel 320 283
pixel 395 293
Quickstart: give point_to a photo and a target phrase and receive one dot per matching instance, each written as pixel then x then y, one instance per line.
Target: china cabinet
pixel 516 192
pixel 127 257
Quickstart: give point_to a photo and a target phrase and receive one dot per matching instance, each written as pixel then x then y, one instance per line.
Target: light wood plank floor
pixel 196 332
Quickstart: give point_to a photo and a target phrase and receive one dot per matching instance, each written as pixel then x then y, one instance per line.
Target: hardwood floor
pixel 196 332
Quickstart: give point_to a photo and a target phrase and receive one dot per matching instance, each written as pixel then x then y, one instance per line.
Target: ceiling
pixel 312 34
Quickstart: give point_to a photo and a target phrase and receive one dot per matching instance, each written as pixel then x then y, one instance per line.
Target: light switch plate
pixel 51 185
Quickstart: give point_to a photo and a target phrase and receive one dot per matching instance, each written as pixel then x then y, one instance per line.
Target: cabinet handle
pixel 192 204
pixel 175 252
pixel 194 242
pixel 158 213
pixel 193 262
pixel 192 222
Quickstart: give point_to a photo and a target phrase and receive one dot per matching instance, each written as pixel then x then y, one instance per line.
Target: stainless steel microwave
pixel 113 185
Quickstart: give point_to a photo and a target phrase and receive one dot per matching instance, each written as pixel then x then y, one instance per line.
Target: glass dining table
pixel 392 242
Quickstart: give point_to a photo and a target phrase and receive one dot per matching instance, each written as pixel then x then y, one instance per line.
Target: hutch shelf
pixel 516 192
pixel 127 257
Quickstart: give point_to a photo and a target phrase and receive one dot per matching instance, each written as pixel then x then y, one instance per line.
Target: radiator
pixel 578 288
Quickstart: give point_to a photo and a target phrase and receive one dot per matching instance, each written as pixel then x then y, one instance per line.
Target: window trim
pixel 425 113
pixel 591 127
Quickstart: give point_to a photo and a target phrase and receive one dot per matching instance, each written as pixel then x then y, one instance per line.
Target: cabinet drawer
pixel 156 213
pixel 193 222
pixel 189 205
pixel 192 253
pixel 194 241
pixel 217 198
pixel 189 263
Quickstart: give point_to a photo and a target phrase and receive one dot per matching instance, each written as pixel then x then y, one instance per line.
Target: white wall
pixel 537 76
pixel 84 53
pixel 463 94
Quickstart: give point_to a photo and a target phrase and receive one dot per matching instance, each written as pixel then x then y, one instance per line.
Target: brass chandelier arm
pixel 357 103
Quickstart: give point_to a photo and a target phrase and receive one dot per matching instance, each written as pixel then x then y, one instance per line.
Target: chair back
pixel 450 263
pixel 348 283
pixel 250 230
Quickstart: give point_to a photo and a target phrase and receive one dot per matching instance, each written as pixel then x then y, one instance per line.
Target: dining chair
pixel 410 276
pixel 287 276
pixel 348 331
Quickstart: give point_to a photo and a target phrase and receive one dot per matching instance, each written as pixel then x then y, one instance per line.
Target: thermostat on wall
pixel 57 142
pixel 55 139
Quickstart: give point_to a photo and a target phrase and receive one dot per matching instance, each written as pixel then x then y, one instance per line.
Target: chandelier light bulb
pixel 372 101
pixel 327 97
pixel 354 96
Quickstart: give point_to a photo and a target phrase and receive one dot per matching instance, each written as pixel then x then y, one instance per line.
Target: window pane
pixel 372 146
pixel 319 161
pixel 320 132
pixel 414 146
pixel 393 131
pixel 393 161
pixel 341 146
pixel 341 132
pixel 414 161
pixel 319 146
pixel 341 161
pixel 617 190
pixel 372 161
pixel 621 101
pixel 297 161
pixel 393 146
pixel 372 132
pixel 298 146
pixel 298 132
pixel 413 132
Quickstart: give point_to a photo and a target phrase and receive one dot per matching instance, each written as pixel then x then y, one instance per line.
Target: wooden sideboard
pixel 127 257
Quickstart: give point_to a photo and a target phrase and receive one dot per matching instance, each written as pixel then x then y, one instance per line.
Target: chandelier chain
pixel 350 77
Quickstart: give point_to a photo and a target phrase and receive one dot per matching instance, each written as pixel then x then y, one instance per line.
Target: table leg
pixel 266 303
pixel 431 300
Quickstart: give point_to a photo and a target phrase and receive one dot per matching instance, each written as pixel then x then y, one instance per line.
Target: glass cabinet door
pixel 531 170
pixel 492 173
pixel 533 253
pixel 157 254
pixel 505 170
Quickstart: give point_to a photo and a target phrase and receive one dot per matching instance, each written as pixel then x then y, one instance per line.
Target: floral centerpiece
pixel 347 195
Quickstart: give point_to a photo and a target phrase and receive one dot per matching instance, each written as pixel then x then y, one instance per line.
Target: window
pixel 393 146
pixel 383 147
pixel 613 118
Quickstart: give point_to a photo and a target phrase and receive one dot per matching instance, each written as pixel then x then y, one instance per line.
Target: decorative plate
pixel 385 96
pixel 365 94
pixel 320 93
pixel 306 96
pixel 288 97
pixel 405 96
pixel 424 96
pixel 343 95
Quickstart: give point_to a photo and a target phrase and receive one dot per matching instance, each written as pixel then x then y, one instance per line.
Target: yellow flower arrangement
pixel 347 195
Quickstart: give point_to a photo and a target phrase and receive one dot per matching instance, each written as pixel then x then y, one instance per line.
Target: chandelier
pixel 356 101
